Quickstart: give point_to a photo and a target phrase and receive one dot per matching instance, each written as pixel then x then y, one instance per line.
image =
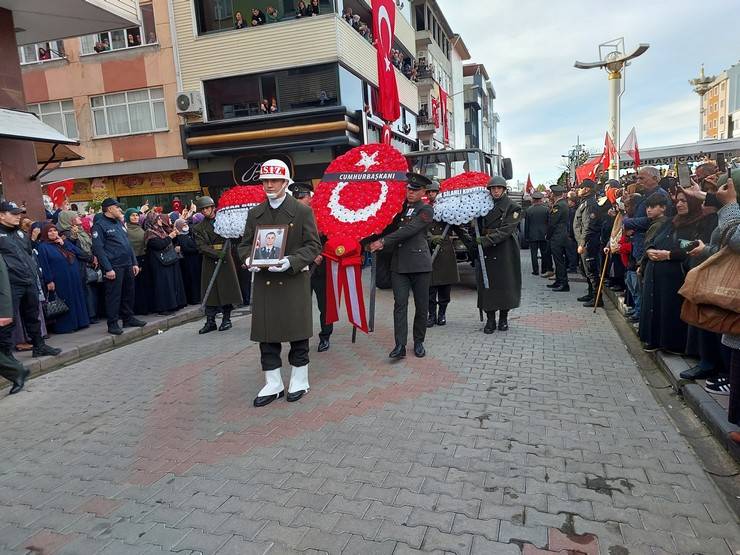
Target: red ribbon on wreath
pixel 360 194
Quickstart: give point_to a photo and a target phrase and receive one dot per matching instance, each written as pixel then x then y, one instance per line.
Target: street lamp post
pixel 701 86
pixel 613 60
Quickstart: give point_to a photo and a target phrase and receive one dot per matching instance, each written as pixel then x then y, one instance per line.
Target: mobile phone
pixel 729 172
pixel 687 246
pixel 721 162
pixel 684 176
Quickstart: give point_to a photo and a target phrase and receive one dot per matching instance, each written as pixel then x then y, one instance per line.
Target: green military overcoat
pixel 211 245
pixel 281 304
pixel 502 257
pixel 444 267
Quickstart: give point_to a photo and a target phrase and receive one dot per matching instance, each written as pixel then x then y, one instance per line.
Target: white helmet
pixel 275 169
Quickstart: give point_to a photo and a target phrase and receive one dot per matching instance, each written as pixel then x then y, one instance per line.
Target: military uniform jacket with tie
pixel 501 252
pixel 281 304
pixel 557 223
pixel 406 237
pixel 444 267
pixel 210 244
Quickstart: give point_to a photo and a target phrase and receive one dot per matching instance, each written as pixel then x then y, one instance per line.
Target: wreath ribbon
pixel 344 279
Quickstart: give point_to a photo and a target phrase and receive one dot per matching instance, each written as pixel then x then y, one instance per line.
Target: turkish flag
pixel 589 169
pixel 631 148
pixel 60 191
pixel 443 106
pixel 384 24
pixel 529 188
pixel 610 150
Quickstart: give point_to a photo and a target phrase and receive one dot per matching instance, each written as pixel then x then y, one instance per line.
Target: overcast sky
pixel 529 47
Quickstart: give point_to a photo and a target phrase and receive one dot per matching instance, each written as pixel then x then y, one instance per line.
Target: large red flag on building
pixel 529 188
pixel 384 24
pixel 445 120
pixel 630 147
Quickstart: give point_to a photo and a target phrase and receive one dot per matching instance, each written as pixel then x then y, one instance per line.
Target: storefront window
pixel 269 93
pixel 351 88
pixel 220 15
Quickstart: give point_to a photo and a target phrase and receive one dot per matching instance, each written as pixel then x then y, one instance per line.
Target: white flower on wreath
pixel 348 216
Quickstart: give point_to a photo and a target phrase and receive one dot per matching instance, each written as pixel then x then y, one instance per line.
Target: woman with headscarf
pixel 190 261
pixel 69 226
pixel 142 282
pixel 61 276
pixel 666 252
pixel 167 288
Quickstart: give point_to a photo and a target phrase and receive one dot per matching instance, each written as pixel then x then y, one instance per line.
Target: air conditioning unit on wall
pixel 189 103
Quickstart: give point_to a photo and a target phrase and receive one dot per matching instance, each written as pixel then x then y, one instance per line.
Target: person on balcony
pixel 301 10
pixel 313 8
pixel 272 15
pixel 258 17
pixel 239 22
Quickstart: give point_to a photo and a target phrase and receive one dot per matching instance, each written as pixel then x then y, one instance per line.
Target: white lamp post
pixel 613 60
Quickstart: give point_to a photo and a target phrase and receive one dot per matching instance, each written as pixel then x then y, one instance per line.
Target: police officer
pixel 303 193
pixel 411 264
pixel 588 229
pixel 23 274
pixel 535 232
pixel 444 269
pixel 557 235
pixel 118 261
pixel 10 368
pixel 225 292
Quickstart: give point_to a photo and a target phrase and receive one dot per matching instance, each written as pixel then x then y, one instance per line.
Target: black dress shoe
pixel 45 350
pixel 490 326
pixel 20 384
pixel 323 345
pixel 585 298
pixel 225 325
pixel 503 325
pixel 553 285
pixel 419 349
pixel 134 323
pixel 399 351
pixel 208 327
pixel 115 330
pixel 442 319
pixel 535 273
pixel 267 399
pixel 561 288
pixel 697 373
pixel 431 320
pixel 592 303
pixel 293 397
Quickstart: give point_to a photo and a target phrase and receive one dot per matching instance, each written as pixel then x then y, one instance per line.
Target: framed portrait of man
pixel 269 245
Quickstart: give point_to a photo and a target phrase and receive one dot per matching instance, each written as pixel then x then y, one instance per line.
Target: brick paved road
pixel 501 444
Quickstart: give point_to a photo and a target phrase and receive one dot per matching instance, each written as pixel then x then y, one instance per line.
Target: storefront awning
pixel 25 126
pixel 48 153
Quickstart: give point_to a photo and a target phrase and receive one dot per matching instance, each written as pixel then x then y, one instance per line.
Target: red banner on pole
pixel 384 24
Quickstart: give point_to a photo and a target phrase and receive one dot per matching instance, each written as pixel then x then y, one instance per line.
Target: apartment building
pixel 481 121
pixel 295 86
pixel 115 92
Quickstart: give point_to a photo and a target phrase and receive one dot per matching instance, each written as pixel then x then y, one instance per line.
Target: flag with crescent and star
pixel 384 24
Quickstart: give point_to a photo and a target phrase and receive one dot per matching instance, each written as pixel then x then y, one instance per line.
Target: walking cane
pixel 483 270
pixel 227 246
pixel 444 236
pixel 601 281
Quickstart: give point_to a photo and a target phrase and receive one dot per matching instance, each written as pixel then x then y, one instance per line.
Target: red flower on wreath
pixel 353 210
pixel 464 181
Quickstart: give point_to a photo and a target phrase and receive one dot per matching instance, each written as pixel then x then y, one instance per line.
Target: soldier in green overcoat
pixel 281 306
pixel 225 292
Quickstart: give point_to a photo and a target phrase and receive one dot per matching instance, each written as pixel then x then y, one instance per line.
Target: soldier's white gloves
pixel 253 269
pixel 282 265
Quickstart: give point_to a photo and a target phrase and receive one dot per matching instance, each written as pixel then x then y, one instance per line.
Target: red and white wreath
pixel 463 198
pixel 233 207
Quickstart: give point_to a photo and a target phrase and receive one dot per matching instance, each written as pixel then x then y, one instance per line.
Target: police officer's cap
pixel 538 195
pixel 108 202
pixel 557 189
pixel 417 181
pixel 587 184
pixel 204 202
pixel 13 208
pixel 300 187
pixel 433 186
pixel 497 181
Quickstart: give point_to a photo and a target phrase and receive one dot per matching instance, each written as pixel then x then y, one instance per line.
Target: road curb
pixel 702 403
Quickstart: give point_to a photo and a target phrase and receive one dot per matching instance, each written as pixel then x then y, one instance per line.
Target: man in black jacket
pixel 557 235
pixel 535 226
pixel 10 368
pixel 117 258
pixel 23 274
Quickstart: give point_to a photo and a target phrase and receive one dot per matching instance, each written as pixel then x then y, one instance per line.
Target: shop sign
pixel 85 190
pixel 247 168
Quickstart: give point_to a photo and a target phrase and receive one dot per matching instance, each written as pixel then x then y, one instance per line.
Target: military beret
pixel 417 181
pixel 497 181
pixel 557 189
pixel 433 186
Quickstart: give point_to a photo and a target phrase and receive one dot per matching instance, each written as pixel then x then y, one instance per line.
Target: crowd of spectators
pixel 271 14
pixel 646 232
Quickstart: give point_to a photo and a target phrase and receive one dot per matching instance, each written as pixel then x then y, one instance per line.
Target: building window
pixel 121 39
pixel 41 52
pixel 282 91
pixel 59 114
pixel 220 15
pixel 129 112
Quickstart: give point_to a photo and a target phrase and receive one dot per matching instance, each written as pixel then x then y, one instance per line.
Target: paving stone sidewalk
pixel 514 443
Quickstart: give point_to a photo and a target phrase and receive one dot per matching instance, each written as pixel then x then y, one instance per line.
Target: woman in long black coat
pixel 501 252
pixel 190 261
pixel 661 326
pixel 168 290
pixel 142 281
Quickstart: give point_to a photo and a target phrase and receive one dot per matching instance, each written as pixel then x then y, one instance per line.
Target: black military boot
pixel 442 315
pixel 432 318
pixel 589 296
pixel 43 350
pixel 209 326
pixel 490 326
pixel 225 321
pixel 503 320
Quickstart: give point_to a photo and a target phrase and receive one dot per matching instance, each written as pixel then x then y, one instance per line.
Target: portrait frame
pixel 260 255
